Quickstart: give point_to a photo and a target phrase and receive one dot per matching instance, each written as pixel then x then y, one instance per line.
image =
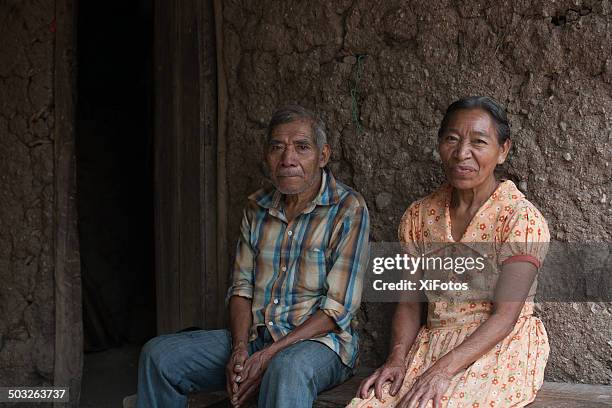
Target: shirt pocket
pixel 312 271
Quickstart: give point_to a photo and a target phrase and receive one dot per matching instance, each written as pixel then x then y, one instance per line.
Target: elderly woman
pixel 486 353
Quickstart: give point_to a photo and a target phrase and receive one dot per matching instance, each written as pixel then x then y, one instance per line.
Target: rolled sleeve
pixel 337 312
pixel 349 259
pixel 243 271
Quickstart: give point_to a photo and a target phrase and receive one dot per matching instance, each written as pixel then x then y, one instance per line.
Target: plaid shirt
pixel 316 261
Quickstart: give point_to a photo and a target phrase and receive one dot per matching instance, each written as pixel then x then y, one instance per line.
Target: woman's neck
pixel 473 198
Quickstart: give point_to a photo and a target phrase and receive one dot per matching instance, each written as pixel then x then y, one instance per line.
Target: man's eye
pixel 451 138
pixel 275 147
pixel 480 141
pixel 303 147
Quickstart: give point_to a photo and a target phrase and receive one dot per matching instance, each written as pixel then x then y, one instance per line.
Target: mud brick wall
pixel 382 72
pixel 26 193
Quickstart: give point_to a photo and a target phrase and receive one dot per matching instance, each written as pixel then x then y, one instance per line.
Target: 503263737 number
pixel 34 394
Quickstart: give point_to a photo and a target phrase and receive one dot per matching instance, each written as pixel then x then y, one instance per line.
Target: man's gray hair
pixel 292 113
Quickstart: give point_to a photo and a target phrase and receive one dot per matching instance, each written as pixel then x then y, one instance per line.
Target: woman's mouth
pixel 463 170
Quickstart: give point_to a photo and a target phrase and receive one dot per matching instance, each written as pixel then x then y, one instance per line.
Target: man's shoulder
pixel 349 197
pixel 257 202
pixel 264 196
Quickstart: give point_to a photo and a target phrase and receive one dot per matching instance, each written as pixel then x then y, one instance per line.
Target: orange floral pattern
pixel 511 373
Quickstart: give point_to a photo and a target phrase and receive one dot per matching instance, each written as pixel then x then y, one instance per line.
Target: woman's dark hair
pixel 494 109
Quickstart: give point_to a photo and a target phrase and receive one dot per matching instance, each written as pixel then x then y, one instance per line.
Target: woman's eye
pixel 481 141
pixel 275 148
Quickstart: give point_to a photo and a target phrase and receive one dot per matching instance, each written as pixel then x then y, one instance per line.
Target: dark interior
pixel 115 173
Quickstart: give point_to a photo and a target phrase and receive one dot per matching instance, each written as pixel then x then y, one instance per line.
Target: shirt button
pixel 276 301
pixel 290 233
pixel 284 268
pixel 271 323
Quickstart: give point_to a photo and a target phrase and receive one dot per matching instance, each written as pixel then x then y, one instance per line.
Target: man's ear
pixel 265 170
pixel 505 149
pixel 325 155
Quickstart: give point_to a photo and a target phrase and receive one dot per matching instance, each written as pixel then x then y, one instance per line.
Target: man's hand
pixel 234 367
pixel 392 371
pixel 250 377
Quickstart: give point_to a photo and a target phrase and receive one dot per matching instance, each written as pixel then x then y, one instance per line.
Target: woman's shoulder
pixel 514 201
pixel 436 200
pixel 432 206
pixel 519 215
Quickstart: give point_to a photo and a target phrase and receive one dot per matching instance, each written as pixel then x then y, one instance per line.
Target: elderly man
pixel 296 286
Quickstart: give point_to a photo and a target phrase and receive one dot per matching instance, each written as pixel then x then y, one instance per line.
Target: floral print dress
pixel 511 373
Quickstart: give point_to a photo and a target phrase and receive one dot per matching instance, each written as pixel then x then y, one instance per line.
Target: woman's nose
pixel 463 152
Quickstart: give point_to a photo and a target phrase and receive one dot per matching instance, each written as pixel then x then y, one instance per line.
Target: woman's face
pixel 469 148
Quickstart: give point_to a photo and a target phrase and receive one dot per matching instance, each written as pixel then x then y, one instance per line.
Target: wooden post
pixel 68 318
pixel 222 199
pixel 187 270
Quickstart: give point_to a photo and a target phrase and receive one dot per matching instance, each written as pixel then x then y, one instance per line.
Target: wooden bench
pixel 552 395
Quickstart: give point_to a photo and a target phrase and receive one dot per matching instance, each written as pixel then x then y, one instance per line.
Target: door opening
pixel 115 191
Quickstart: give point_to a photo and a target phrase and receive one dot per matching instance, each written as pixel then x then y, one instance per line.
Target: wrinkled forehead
pixel 474 120
pixel 296 130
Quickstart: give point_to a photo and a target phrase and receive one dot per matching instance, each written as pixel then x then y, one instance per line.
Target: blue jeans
pixel 174 365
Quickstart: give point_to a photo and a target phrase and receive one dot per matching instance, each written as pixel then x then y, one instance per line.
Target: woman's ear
pixel 505 149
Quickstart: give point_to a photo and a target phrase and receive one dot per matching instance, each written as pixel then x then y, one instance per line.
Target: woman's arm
pixel 404 329
pixel 512 290
pixel 510 294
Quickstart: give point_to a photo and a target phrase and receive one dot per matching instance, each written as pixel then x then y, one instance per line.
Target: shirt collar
pixel 272 198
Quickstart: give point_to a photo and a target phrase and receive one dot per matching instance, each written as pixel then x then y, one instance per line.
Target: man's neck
pixel 296 203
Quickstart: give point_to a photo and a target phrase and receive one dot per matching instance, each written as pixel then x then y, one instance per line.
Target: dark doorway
pixel 115 184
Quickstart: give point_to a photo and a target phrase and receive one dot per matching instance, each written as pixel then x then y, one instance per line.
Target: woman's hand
pixel 431 385
pixel 404 330
pixel 392 371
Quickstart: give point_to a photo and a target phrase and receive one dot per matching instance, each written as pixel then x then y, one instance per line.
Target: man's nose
pixel 288 158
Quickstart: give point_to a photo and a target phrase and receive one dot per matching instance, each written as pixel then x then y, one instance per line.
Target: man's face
pixel 293 158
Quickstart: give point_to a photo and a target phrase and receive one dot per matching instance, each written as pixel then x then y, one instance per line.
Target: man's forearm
pixel 241 319
pixel 316 325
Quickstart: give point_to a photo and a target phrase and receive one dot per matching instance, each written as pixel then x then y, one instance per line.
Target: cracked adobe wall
pixel 549 63
pixel 26 193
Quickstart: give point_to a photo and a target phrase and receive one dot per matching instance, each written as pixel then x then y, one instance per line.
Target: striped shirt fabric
pixel 317 261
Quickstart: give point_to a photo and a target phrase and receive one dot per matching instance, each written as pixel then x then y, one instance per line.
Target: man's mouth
pixel 289 175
